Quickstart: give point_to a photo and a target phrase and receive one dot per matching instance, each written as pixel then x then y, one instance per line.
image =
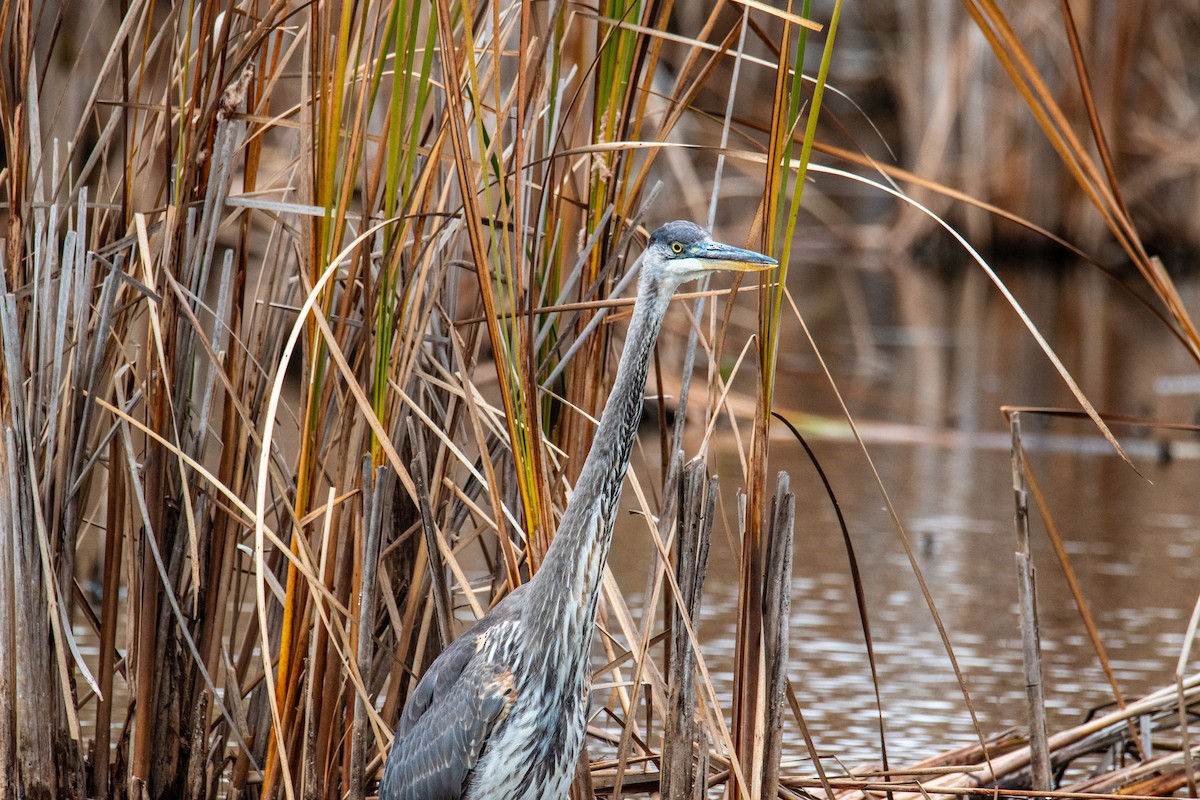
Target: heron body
pixel 501 713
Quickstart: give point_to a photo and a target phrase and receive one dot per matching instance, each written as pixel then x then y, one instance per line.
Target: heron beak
pixel 717 256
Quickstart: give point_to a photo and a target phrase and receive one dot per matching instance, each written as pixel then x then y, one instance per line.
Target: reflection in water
pixel 929 376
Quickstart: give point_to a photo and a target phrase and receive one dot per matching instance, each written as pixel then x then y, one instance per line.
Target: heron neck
pixel 568 582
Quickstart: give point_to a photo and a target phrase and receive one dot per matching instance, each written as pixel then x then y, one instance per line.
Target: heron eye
pixel 676 248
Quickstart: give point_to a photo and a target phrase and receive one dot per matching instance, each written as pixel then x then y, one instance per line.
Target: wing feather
pixel 448 718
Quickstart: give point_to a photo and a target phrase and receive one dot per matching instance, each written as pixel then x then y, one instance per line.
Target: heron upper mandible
pixel 500 715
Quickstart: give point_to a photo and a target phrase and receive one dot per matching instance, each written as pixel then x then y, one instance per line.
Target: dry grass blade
pixel 794 19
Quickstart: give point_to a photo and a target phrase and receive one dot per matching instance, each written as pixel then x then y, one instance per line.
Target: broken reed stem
pixel 373 495
pixel 437 575
pixel 32 689
pixel 697 498
pixel 1027 603
pixel 9 778
pixel 113 541
pixel 777 604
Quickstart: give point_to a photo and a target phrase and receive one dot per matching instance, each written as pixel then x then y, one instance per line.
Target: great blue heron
pixel 500 715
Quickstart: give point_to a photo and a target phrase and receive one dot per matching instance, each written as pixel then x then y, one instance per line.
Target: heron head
pixel 682 251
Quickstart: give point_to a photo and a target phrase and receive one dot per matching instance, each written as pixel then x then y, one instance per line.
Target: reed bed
pixel 946 71
pixel 306 312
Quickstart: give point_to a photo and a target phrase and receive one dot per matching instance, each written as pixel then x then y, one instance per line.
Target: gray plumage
pixel 501 713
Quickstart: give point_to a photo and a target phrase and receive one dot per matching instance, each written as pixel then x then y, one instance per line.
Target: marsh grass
pixel 270 267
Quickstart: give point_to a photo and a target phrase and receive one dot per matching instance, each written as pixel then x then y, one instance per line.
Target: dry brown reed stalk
pixel 1031 642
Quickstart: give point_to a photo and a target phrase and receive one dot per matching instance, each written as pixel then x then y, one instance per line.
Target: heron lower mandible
pixel 500 715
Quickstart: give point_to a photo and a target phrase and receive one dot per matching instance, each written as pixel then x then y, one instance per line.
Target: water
pixel 926 379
